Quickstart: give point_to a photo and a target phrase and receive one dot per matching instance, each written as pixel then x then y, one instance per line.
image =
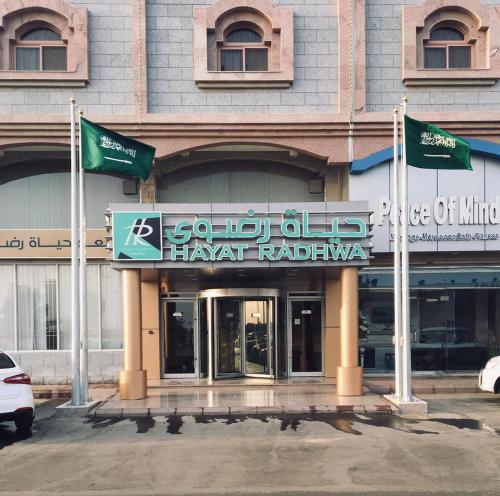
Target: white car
pixel 489 377
pixel 16 396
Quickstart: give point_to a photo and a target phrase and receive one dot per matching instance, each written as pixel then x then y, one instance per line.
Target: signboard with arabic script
pixel 257 235
pixel 48 243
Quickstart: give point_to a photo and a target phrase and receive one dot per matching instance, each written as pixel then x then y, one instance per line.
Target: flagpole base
pixel 349 381
pixel 133 385
pixel 415 405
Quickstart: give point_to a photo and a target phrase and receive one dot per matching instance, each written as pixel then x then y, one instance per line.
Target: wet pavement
pixel 452 451
pixel 244 396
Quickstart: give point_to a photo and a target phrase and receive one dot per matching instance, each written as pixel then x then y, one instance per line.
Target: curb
pixel 66 410
pixel 239 411
pixel 52 395
pixel 431 389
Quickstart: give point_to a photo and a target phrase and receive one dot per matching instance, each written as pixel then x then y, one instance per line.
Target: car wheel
pixel 497 386
pixel 24 423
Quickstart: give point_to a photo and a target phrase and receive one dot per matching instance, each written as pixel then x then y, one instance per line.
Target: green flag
pixel 106 151
pixel 430 147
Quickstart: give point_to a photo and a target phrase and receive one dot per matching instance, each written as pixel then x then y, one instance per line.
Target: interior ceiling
pixel 195 279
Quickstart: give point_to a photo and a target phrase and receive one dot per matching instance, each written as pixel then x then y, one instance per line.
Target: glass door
pixel 242 329
pixel 258 332
pixel 179 338
pixel 244 337
pixel 228 341
pixel 306 337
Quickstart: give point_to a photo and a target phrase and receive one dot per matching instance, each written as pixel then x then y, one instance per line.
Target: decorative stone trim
pixel 69 21
pixel 276 25
pixel 482 26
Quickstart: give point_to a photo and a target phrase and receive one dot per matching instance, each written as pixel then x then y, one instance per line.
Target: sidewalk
pixel 426 385
pixel 377 385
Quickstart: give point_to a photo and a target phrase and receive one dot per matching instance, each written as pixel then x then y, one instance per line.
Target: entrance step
pixel 228 411
pixel 240 398
pixel 313 382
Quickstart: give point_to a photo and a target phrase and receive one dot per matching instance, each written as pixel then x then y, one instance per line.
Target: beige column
pixel 150 293
pixel 332 321
pixel 133 377
pixel 349 373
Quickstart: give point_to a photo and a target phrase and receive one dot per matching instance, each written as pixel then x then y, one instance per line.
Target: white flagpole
pixel 75 334
pixel 407 395
pixel 83 277
pixel 396 184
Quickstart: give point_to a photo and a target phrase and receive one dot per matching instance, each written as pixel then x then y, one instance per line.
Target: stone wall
pixel 54 367
pixel 170 63
pixel 384 88
pixel 110 90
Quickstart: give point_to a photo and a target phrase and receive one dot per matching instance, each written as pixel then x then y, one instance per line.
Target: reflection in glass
pixel 306 336
pixel 453 327
pixel 257 336
pixel 228 338
pixel 203 324
pixel 178 320
pixel 231 60
pixel 282 339
pixel 256 59
pixel 111 308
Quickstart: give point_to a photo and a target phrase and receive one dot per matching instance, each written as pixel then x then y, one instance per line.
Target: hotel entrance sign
pixel 331 243
pixel 256 235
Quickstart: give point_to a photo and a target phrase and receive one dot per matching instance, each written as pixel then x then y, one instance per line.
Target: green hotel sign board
pixel 137 236
pixel 252 237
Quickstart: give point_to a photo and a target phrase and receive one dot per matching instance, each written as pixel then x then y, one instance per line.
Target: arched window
pixel 243 44
pixel 447 48
pixel 243 50
pixel 40 49
pixel 450 42
pixel 43 43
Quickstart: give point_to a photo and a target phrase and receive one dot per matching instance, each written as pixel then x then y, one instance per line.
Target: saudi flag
pixel 106 151
pixel 430 147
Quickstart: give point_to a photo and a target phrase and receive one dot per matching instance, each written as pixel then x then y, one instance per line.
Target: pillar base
pixel 133 385
pixel 349 381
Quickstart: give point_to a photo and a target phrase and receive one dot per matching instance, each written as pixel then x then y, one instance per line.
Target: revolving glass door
pixel 244 333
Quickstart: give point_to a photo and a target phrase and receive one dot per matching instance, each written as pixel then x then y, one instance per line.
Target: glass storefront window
pixel 111 308
pixel 453 327
pixel 7 307
pixel 93 305
pixel 43 298
pixel 37 307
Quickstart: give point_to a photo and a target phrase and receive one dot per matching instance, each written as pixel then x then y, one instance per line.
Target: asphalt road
pixel 455 450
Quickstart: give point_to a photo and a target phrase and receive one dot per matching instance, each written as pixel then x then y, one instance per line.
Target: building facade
pixel 256 108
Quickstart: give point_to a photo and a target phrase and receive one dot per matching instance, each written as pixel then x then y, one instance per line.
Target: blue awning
pixel 479 147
